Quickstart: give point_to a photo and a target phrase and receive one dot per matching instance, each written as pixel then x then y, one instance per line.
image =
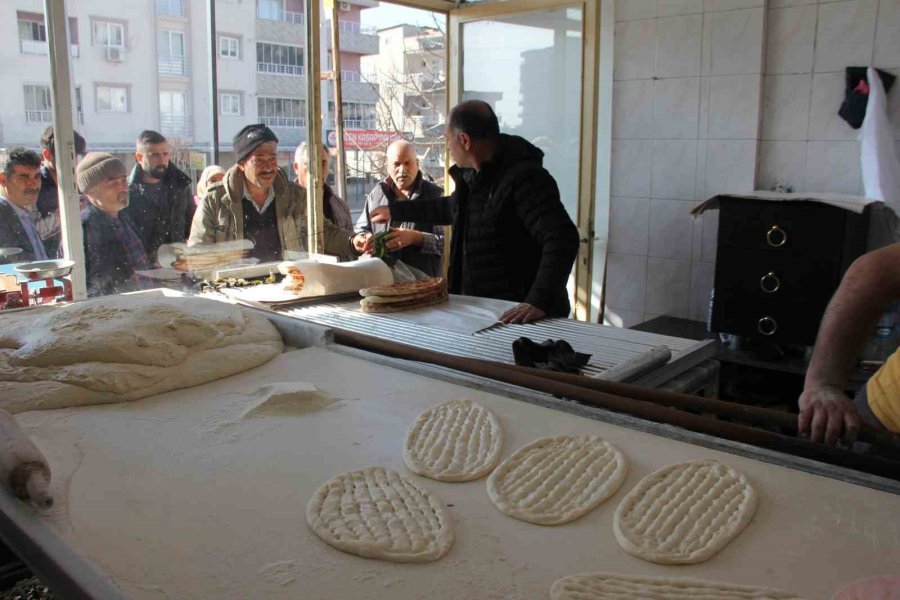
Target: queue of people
pixel 513 238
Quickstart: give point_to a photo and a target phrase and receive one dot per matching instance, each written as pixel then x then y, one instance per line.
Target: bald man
pixel 420 245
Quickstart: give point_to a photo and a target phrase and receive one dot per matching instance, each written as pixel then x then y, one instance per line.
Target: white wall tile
pixel 711 5
pixel 671 229
pixel 675 108
pixel 784 3
pixel 781 163
pixel 845 34
pixel 824 122
pixel 734 107
pixel 678 46
pixel 736 42
pixel 700 179
pixel 629 222
pixel 634 55
pixel 618 317
pixel 702 279
pixel 669 8
pixel 710 236
pixel 668 287
pixel 703 125
pixel 626 281
pixel 786 101
pixel 627 10
pixel 887 35
pixel 730 166
pixel 633 109
pixel 833 167
pixel 674 167
pixel 791 39
pixel 631 168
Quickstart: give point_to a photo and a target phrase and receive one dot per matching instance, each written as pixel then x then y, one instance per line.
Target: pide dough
pixel 456 441
pixel 684 513
pixel 555 480
pixel 124 348
pixel 606 586
pixel 378 513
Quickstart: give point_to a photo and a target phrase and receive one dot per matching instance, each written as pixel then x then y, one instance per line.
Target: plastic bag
pixel 404 273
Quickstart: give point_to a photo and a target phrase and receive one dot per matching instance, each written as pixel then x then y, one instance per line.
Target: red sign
pixel 362 139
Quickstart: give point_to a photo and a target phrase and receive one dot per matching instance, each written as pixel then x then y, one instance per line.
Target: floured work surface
pixel 179 496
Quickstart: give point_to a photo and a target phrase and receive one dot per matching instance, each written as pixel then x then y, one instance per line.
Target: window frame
pixel 46 111
pixel 108 24
pixel 236 47
pixel 234 96
pixel 112 86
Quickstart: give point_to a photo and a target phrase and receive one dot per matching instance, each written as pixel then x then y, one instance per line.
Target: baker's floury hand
pixel 381 214
pixel 522 313
pixel 827 414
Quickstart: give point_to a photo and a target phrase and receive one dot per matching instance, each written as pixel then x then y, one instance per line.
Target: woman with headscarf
pixel 210 175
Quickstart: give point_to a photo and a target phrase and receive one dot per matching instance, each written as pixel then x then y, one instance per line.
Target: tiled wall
pixel 703 87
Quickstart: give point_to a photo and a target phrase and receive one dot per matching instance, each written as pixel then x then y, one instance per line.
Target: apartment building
pixel 410 69
pixel 143 64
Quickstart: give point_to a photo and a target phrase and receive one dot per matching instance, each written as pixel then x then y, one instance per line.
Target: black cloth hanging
pixel 552 355
pixel 856 94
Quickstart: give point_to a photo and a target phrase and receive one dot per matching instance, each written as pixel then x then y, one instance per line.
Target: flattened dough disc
pixel 684 513
pixel 378 513
pixel 458 440
pixel 607 586
pixel 555 480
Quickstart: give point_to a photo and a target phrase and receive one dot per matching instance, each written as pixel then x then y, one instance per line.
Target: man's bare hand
pixel 401 238
pixel 827 414
pixel 522 313
pixel 380 214
pixel 363 243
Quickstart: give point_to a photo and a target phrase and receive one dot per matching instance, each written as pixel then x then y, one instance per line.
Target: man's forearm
pixel 852 315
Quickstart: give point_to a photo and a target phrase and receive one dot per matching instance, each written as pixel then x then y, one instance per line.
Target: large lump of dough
pixel 124 348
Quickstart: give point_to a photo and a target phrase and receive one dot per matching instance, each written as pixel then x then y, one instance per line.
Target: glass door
pixel 532 64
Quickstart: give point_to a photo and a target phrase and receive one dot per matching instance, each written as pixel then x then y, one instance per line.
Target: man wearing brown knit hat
pixel 256 201
pixel 112 248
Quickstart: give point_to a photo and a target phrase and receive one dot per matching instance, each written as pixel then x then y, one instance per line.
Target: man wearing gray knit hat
pixel 256 201
pixel 113 251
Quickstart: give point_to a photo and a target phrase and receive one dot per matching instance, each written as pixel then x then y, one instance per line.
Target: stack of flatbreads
pixel 404 296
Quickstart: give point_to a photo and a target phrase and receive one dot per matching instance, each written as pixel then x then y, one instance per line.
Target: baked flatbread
pixel 401 306
pixel 398 299
pixel 378 513
pixel 458 440
pixel 684 513
pixel 608 586
pixel 407 288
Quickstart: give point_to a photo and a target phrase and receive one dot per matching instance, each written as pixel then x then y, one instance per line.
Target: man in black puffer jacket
pixel 512 238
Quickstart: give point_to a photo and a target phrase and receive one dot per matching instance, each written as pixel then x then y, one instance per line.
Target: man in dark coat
pixel 419 245
pixel 512 238
pixel 20 183
pixel 161 200
pixel 113 251
pixel 49 225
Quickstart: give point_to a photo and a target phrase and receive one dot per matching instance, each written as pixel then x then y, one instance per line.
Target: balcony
pixel 267 13
pixel 41 48
pixel 174 125
pixel 171 64
pixel 283 121
pixel 170 8
pixel 357 39
pixel 279 69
